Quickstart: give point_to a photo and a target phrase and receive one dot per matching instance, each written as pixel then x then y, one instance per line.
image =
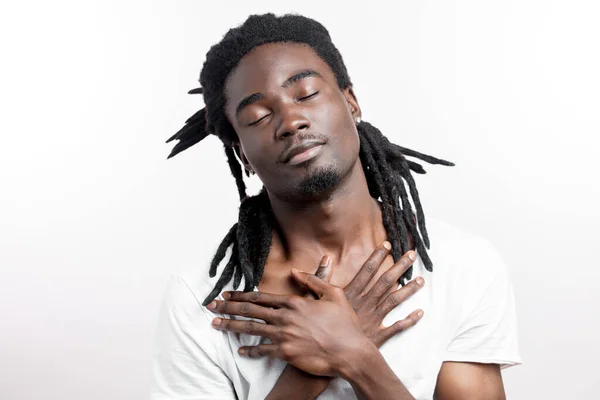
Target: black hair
pixel 384 163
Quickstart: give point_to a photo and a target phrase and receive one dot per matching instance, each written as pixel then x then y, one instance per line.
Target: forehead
pixel 269 65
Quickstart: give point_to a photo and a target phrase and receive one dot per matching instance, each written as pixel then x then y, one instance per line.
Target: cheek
pixel 255 153
pixel 339 124
pixel 337 116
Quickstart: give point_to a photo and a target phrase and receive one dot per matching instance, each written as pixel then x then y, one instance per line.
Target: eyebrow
pixel 254 97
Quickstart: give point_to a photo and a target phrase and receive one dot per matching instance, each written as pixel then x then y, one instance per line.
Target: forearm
pixel 295 384
pixel 372 378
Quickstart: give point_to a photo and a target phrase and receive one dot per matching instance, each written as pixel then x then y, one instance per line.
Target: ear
pixel 352 102
pixel 239 151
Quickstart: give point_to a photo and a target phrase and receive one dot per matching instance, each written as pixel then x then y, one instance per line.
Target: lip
pixel 303 148
pixel 306 155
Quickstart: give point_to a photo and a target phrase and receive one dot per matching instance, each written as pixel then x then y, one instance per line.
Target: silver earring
pixel 357 120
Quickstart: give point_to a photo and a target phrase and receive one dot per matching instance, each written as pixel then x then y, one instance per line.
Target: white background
pixel 93 219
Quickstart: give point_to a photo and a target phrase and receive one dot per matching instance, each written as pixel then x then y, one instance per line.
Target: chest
pixel 277 277
pixel 415 355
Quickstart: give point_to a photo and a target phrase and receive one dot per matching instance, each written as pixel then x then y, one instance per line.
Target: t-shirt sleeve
pixel 488 333
pixel 185 359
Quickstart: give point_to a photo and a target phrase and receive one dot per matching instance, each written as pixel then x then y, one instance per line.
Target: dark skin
pixel 369 308
pixel 343 222
pixel 340 220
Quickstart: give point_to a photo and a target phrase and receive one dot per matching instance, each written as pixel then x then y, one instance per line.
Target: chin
pixel 319 181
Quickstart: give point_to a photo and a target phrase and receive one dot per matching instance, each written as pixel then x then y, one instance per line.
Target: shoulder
pixel 477 297
pixel 182 310
pixel 459 251
pixel 182 304
pixel 466 265
pixel 195 280
pixel 190 358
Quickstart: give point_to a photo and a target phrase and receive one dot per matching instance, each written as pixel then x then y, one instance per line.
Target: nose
pixel 293 120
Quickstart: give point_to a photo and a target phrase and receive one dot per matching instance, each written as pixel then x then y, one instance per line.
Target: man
pixel 279 97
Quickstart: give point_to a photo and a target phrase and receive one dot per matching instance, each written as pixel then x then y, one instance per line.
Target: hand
pixel 324 272
pixel 294 383
pixel 314 347
pixel 372 307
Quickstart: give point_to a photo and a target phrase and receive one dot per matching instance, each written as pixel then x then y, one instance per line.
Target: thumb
pixel 317 283
pixel 325 270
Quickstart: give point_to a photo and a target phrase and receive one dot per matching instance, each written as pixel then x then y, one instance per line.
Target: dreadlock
pixel 385 165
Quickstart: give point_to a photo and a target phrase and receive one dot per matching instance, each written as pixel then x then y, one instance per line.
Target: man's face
pixel 296 127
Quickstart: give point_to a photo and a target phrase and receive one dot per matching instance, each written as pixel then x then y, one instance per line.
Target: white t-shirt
pixel 469 316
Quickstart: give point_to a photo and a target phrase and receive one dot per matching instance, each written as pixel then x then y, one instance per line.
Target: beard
pixel 317 182
pixel 323 180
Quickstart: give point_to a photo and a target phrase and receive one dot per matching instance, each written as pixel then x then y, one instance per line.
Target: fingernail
pixel 226 295
pixel 420 281
pixel 294 269
pixel 387 245
pixel 242 351
pixel 212 305
pixel 420 313
pixel 325 261
pixel 412 255
pixel 216 322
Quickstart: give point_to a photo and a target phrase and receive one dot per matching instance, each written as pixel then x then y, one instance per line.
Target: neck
pixel 345 221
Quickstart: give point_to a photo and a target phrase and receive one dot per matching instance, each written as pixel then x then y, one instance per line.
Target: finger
pixel 391 290
pixel 260 298
pixel 399 326
pixel 323 272
pixel 247 327
pixel 316 285
pixel 391 276
pixel 367 271
pixel 261 350
pixel 244 309
pixel 393 299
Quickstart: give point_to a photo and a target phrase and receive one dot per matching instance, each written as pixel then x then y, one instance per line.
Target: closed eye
pixel 258 120
pixel 309 96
